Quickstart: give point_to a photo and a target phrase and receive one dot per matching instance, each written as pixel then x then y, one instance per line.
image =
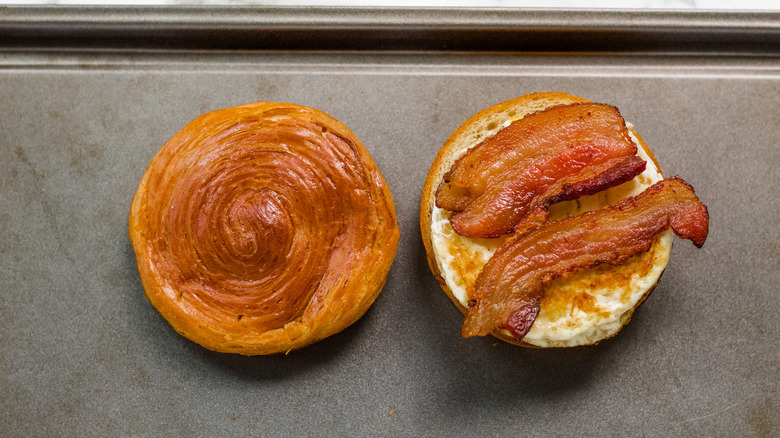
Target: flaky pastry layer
pixel 262 228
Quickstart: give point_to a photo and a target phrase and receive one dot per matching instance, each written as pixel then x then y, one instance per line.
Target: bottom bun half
pixel 583 309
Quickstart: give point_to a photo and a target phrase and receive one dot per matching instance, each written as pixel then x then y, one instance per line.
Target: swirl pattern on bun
pixel 263 228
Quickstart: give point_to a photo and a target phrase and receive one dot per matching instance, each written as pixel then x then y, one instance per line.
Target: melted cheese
pixel 580 310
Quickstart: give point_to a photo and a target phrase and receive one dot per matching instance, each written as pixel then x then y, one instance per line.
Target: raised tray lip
pixel 383 28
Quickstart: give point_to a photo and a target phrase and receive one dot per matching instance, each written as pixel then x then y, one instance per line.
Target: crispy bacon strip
pixel 609 174
pixel 511 284
pixel 560 153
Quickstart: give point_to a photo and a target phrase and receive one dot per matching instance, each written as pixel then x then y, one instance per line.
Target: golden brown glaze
pixel 263 228
pixel 511 285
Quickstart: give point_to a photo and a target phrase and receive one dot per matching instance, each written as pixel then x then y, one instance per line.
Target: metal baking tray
pixel 88 95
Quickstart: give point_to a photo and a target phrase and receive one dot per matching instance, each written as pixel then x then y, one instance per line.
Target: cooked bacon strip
pixel 512 283
pixel 623 170
pixel 534 162
pixel 618 171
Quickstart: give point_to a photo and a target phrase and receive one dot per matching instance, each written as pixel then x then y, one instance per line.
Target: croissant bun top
pixel 263 228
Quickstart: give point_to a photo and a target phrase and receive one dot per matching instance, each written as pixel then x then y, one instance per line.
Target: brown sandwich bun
pixel 572 310
pixel 262 228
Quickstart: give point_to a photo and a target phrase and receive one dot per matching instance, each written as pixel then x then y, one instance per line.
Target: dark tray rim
pixel 376 28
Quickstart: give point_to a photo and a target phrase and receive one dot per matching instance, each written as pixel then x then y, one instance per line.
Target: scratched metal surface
pixel 84 354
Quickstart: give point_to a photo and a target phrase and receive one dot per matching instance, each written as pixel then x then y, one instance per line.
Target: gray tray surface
pixel 84 354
